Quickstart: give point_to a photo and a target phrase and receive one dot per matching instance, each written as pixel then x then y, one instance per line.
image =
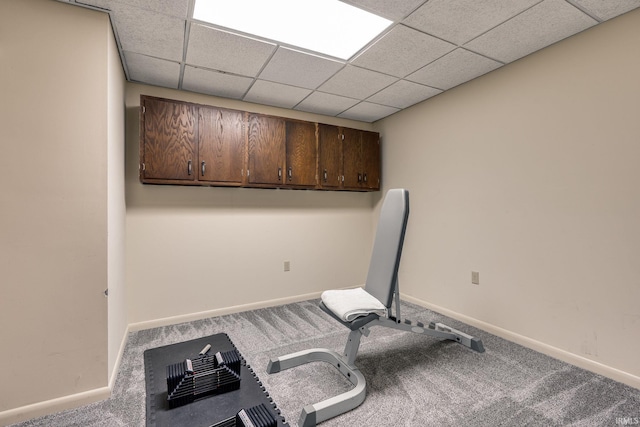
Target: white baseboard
pixel 116 367
pixel 40 409
pixel 565 356
pixel 165 321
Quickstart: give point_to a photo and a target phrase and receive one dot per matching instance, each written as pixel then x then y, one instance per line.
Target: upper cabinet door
pixel 361 151
pixel 351 148
pixel 329 156
pixel 301 154
pixel 168 140
pixel 266 149
pixel 370 160
pixel 221 145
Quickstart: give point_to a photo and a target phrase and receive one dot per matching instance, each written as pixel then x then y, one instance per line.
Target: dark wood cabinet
pixel 370 157
pixel 266 149
pixel 329 156
pixel 301 154
pixel 348 158
pixel 282 152
pixel 184 143
pixel 188 144
pixel 361 150
pixel 221 146
pixel 168 133
pixel 352 151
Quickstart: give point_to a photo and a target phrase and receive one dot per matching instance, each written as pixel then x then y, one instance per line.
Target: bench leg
pixel 334 406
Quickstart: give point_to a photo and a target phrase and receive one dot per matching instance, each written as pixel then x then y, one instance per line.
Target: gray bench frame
pixel 382 282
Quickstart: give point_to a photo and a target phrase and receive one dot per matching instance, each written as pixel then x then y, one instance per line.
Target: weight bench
pixel 360 309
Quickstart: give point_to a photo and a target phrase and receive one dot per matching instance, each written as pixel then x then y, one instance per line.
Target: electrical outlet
pixel 475 278
pixel 287 265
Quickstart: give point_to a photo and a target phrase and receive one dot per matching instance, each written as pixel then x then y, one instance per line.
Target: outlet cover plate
pixel 475 278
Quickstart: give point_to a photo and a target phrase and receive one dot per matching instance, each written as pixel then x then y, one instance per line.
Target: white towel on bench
pixel 349 304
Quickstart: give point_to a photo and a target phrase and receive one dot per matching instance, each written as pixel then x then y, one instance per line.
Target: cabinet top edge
pixel 196 104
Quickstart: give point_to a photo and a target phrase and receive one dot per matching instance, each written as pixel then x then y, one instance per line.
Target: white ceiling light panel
pixel 330 27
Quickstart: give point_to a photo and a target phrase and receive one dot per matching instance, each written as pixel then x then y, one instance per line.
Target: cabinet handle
pixel 279 174
pixel 290 173
pixel 324 175
pixel 365 178
pixel 359 178
pixel 203 166
pixel 189 167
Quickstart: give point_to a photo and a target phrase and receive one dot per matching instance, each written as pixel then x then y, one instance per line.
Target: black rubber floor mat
pixel 206 411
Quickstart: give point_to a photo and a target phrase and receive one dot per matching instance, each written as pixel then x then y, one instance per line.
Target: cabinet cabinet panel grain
pixel 351 149
pixel 329 156
pixel 301 153
pixel 361 150
pixel 221 145
pixel 370 160
pixel 169 141
pixel 182 143
pixel 266 149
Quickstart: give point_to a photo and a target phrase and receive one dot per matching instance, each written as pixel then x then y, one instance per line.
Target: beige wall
pixel 529 175
pixel 53 205
pixel 117 311
pixel 194 251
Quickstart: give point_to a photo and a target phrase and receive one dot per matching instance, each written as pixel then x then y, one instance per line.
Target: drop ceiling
pixel 431 47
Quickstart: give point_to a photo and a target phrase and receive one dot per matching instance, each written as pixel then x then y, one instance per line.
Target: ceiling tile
pixel 149 33
pixel 153 71
pixel 402 51
pixel 224 51
pixel 608 9
pixel 538 27
pixel 394 10
pixel 356 82
pixel 434 45
pixel 299 69
pixel 403 94
pixel 276 94
pixel 368 112
pixel 326 104
pixel 215 83
pixel 459 21
pixel 177 8
pixel 453 69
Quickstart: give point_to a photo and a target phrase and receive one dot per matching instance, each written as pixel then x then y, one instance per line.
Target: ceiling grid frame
pixel 436 72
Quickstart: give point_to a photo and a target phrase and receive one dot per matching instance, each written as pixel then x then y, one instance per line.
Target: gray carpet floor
pixel 412 380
